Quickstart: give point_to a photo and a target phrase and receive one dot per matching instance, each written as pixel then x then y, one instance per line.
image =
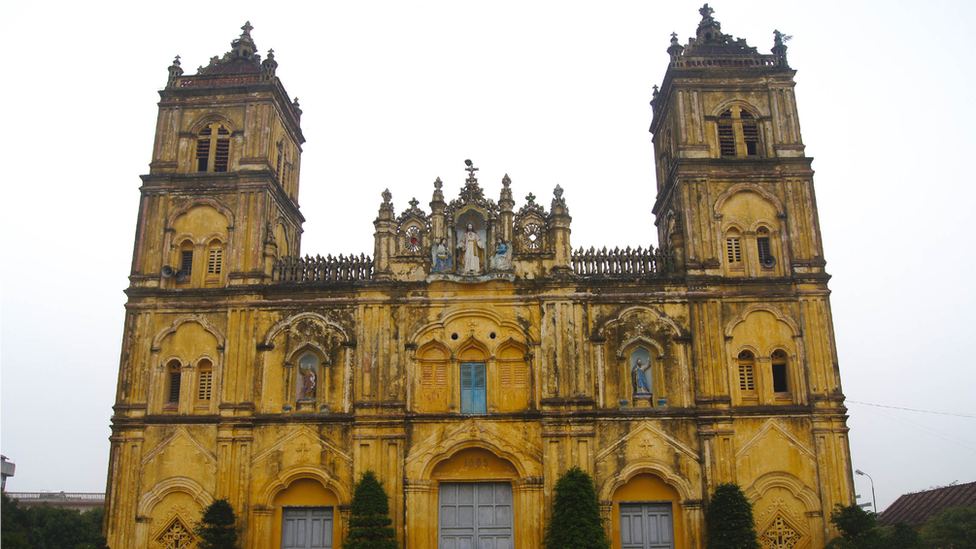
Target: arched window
pixel 780 376
pixel 738 133
pixel 186 262
pixel 174 377
pixel 204 382
pixel 766 259
pixel 733 249
pixel 747 377
pixel 213 148
pixel 215 259
pixel 474 396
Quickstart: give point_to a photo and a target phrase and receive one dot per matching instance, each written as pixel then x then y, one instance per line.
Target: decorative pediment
pixel 772 429
pixel 299 448
pixel 643 440
pixel 182 444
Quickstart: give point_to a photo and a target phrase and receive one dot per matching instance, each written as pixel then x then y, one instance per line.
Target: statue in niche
pixel 472 250
pixel 440 257
pixel 502 260
pixel 307 365
pixel 641 363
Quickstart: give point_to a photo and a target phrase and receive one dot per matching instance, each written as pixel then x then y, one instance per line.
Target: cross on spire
pixel 706 12
pixel 470 169
pixel 247 27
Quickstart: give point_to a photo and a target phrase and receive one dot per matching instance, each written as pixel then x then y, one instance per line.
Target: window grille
pixel 222 154
pixel 762 245
pixel 747 379
pixel 215 261
pixel 205 388
pixel 186 262
pixel 174 385
pixel 733 249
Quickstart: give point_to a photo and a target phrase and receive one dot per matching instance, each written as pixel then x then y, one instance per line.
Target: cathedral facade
pixel 475 356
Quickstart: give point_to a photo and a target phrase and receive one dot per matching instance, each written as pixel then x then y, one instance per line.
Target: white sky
pixel 396 94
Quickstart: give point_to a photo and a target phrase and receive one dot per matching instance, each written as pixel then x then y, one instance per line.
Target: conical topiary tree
pixel 729 523
pixel 576 522
pixel 369 527
pixel 218 529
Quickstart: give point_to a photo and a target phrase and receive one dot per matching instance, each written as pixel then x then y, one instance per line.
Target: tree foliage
pixel 576 522
pixel 954 528
pixel 729 523
pixel 47 527
pixel 369 527
pixel 217 528
pixel 858 528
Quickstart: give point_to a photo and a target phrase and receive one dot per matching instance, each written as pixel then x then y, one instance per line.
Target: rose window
pixel 413 239
pixel 532 237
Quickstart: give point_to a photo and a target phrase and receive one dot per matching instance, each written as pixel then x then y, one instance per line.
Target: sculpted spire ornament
pixel 175 71
pixel 269 66
pixel 438 193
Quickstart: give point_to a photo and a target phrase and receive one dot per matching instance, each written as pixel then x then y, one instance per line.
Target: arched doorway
pixel 646 515
pixel 476 506
pixel 305 516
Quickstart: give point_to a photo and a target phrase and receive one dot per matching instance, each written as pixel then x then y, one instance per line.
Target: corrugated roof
pixel 915 509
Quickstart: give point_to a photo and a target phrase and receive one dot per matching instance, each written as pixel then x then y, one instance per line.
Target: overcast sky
pixel 396 94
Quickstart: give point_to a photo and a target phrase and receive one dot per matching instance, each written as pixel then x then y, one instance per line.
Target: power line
pixel 910 409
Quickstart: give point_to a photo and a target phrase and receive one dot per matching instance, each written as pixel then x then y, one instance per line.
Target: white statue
pixel 472 251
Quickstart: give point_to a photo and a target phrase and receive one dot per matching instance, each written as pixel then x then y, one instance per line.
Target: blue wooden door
pixel 475 516
pixel 474 399
pixel 646 526
pixel 306 528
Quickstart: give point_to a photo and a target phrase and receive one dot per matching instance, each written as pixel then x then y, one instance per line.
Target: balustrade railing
pixel 323 270
pixel 622 263
pixel 727 61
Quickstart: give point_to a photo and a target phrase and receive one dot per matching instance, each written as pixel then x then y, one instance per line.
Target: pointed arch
pixel 282 324
pixel 741 317
pixel 285 478
pixel 654 467
pixel 157 341
pixel 186 485
pixel 747 187
pixel 227 213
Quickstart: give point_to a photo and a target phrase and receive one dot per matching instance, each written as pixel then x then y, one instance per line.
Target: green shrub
pixel 576 522
pixel 729 523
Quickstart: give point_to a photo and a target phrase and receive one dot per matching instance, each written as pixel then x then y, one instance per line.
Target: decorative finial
pixel 413 202
pixel 530 197
pixel 387 196
pixel 706 13
pixel 270 53
pixel 470 169
pixel 779 47
pixel 656 90
pixel 438 183
pixel 175 71
pixel 674 38
pixel 247 29
pixel 558 191
pixel 506 181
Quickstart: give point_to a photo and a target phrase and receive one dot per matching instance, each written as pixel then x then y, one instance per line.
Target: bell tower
pixel 220 203
pixel 736 207
pixel 735 189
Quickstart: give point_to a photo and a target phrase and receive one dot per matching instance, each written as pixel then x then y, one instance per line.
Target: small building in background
pixel 915 509
pixel 6 470
pixel 79 501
